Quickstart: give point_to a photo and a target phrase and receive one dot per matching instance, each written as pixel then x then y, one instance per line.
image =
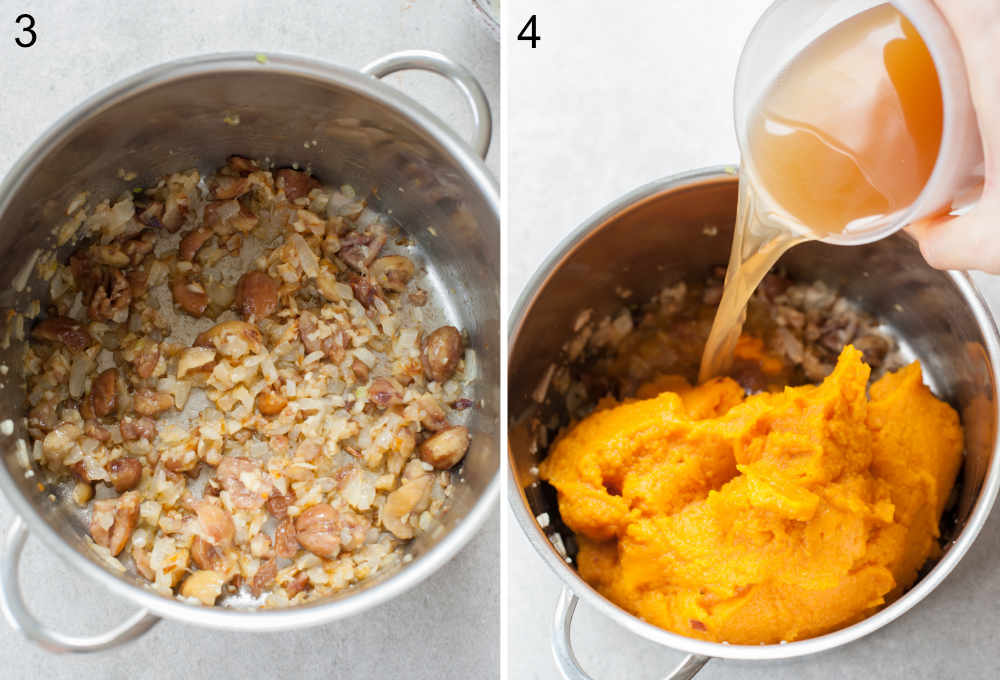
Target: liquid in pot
pixel 846 135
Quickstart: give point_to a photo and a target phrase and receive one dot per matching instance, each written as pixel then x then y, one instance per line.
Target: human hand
pixel 972 240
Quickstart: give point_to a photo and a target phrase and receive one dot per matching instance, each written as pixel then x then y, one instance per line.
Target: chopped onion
pixel 78 375
pixel 307 258
pixel 220 294
pixel 343 290
pixel 471 367
pixel 312 357
pixel 119 215
pixel 407 340
pixel 351 210
pixel 365 355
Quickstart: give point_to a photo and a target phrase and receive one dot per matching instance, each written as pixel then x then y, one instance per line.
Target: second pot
pixel 677 229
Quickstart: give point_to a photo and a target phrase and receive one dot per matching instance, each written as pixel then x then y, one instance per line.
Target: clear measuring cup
pixel 788 26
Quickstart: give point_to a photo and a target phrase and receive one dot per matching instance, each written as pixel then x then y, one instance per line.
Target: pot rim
pixel 569 576
pixel 258 620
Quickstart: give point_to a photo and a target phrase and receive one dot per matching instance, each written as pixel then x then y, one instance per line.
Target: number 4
pixel 533 35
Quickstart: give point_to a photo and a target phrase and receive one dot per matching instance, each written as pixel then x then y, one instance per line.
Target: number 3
pixel 27 29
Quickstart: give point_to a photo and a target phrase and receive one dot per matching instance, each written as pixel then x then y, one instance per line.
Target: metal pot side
pixel 347 127
pixel 677 228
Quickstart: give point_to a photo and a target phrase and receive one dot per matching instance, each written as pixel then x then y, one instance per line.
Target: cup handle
pixel 562 645
pixel 21 619
pixel 424 60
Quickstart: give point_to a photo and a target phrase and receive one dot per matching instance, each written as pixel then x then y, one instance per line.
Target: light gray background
pixel 447 627
pixel 617 94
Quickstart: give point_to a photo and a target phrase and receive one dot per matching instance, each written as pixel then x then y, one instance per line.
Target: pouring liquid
pixel 847 135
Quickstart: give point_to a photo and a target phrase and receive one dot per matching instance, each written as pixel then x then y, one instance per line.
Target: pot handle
pixel 425 60
pixel 562 645
pixel 21 619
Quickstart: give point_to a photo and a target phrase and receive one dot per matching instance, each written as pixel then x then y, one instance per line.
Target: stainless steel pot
pixel 349 128
pixel 657 235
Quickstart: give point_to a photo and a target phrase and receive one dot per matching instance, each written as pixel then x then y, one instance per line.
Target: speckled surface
pixel 84 46
pixel 616 95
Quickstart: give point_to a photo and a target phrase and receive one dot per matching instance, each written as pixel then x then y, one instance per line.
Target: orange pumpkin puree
pixel 760 519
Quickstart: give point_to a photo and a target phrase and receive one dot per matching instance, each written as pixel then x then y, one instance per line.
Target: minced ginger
pixel 777 516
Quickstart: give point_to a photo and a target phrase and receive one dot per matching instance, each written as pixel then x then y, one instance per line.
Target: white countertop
pixel 83 46
pixel 615 95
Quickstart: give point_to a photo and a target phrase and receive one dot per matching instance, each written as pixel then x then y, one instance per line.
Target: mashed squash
pixel 760 519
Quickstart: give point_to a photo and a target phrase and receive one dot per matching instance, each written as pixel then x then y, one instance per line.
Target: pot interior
pixel 680 233
pixel 342 126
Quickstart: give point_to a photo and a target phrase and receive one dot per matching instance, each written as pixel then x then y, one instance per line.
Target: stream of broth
pixel 846 135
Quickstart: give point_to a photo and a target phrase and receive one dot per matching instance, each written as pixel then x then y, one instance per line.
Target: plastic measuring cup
pixel 788 26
